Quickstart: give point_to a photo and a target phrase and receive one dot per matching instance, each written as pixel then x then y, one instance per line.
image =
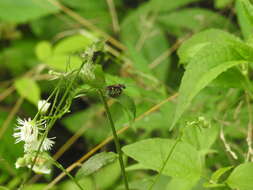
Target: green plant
pixel 168 82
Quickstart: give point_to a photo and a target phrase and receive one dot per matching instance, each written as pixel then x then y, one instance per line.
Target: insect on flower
pixel 115 90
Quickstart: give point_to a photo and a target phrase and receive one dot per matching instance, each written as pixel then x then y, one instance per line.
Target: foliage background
pixel 142 42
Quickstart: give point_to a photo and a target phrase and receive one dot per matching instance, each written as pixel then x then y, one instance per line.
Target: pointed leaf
pixel 96 162
pixel 184 162
pixel 242 177
pixel 208 64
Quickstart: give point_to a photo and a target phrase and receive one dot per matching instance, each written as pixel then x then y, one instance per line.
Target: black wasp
pixel 115 90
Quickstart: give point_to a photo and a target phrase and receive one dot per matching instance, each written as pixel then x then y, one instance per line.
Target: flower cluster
pixel 30 131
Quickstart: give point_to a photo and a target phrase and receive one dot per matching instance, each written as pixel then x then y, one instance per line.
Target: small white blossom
pixel 43 106
pixel 27 131
pixel 34 146
pixel 47 144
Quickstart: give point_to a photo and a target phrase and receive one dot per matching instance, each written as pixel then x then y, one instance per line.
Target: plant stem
pixel 115 137
pixel 58 165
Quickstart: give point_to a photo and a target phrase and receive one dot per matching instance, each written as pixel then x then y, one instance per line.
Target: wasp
pixel 115 90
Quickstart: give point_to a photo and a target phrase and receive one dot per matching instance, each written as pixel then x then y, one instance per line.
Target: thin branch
pixel 227 146
pixel 250 130
pixel 113 12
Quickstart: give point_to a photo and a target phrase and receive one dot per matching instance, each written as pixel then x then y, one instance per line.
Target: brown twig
pixel 113 13
pixel 250 130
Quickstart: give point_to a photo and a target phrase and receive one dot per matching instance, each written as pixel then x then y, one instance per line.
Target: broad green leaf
pixel 181 184
pixel 63 62
pixel 245 17
pixel 43 50
pixel 25 10
pixel 193 20
pixel 241 177
pixel 206 65
pixel 96 162
pixel 184 163
pixel 200 40
pixel 74 43
pixel 145 182
pixel 202 139
pixel 28 89
pixel 103 178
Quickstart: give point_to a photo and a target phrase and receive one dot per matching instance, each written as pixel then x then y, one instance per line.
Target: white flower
pixel 43 106
pixel 27 131
pixel 34 146
pixel 47 144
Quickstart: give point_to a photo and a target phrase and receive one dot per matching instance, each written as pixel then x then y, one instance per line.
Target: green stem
pixel 58 165
pixel 115 137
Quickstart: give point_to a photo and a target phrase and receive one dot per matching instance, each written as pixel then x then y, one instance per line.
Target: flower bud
pixel 43 106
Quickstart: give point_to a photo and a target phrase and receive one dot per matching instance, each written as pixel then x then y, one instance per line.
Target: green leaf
pixel 25 10
pixel 43 50
pixel 74 43
pixel 96 162
pixel 218 173
pixel 181 22
pixel 62 62
pixel 202 139
pixel 244 11
pixel 206 65
pixel 129 106
pixel 28 89
pixel 241 177
pixel 200 40
pixel 145 182
pixel 181 184
pixel 184 162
